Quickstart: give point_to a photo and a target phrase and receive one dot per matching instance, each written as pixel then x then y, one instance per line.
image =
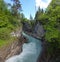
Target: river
pixel 31 51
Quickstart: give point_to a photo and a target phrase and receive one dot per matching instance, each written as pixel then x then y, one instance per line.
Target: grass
pixel 7 42
pixel 9 39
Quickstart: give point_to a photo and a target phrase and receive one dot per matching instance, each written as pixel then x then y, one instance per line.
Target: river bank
pixel 12 49
pixel 31 51
pixel 15 48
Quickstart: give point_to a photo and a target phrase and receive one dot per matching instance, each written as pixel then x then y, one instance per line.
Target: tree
pixel 38 14
pixel 50 19
pixel 16 7
pixel 54 15
pixel 31 18
pixel 52 28
pixel 8 22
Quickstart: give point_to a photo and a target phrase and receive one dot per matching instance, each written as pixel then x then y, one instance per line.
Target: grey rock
pixel 39 30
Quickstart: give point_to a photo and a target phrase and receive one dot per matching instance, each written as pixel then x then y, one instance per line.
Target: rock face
pixel 10 50
pixel 38 30
pixel 16 33
pixel 14 48
pixel 26 27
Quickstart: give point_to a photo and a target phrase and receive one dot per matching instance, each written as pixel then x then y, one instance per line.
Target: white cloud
pixel 42 3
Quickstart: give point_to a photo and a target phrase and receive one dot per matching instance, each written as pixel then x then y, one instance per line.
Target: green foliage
pixel 16 8
pixel 54 18
pixel 50 19
pixel 38 14
pixel 31 18
pixel 3 21
pixel 4 34
pixel 8 22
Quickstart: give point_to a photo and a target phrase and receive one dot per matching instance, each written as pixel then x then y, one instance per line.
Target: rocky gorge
pixel 15 47
pixel 38 32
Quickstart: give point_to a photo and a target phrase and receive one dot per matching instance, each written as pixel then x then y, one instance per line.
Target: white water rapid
pixel 31 51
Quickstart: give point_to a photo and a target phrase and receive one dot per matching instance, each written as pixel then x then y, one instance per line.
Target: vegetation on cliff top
pixel 9 19
pixel 50 19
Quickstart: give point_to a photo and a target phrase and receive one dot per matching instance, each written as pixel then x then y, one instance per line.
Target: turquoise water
pixel 31 51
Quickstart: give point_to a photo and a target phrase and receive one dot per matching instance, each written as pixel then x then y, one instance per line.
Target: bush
pixel 4 34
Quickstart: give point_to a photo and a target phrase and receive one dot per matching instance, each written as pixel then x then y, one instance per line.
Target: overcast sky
pixel 29 6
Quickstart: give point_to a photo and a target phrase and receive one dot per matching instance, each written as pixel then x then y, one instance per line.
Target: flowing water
pixel 31 51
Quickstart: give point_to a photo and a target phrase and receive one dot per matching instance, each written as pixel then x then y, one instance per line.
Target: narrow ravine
pixel 31 51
